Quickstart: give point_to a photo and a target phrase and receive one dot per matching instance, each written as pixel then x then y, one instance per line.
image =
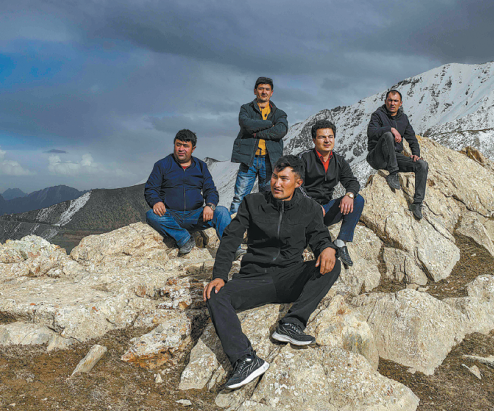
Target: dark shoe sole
pixel 287 339
pixel 260 371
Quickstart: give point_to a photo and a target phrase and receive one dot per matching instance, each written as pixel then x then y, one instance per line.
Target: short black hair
pixel 393 92
pixel 322 124
pixel 292 161
pixel 264 80
pixel 186 135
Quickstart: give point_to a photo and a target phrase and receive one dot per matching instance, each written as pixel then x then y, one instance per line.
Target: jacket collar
pixel 192 158
pixel 297 195
pixel 256 107
pixel 385 110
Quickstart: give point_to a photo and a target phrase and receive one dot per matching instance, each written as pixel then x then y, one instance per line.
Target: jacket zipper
pixel 279 228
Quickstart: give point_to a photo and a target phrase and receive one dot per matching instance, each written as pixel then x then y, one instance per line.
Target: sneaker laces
pixel 241 363
pixel 294 327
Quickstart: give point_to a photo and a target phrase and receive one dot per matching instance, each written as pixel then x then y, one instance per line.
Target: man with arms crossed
pixel 387 128
pixel 259 143
pixel 176 191
pixel 324 169
pixel 279 223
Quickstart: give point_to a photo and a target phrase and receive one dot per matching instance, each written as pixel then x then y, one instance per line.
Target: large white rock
pixel 137 240
pixel 401 267
pixel 471 226
pixel 24 334
pixel 340 325
pixel 386 214
pixel 168 342
pixel 412 328
pixel 364 275
pixel 478 307
pixel 331 379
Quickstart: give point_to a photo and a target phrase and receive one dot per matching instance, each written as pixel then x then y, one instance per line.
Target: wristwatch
pixel 213 207
pixel 350 194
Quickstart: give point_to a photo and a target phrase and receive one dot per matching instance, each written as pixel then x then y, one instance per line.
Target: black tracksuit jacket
pixel 319 184
pixel 277 232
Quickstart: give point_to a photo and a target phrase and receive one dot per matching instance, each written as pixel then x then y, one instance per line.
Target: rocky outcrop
pixel 412 328
pixel 130 277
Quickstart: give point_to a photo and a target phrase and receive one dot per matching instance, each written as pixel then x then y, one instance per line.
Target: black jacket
pixel 277 232
pixel 272 130
pixel 381 122
pixel 319 184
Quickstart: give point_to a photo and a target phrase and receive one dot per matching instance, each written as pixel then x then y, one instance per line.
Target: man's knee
pixel 423 165
pixel 358 203
pixel 151 216
pixel 221 212
pixel 388 137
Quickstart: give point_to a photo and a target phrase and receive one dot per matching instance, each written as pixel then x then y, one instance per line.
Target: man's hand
pixel 396 134
pixel 323 211
pixel 415 158
pixel 346 205
pixel 326 260
pixel 207 214
pixel 159 209
pixel 217 284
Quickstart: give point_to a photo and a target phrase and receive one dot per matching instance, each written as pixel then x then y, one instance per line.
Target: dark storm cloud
pixel 56 151
pixel 119 79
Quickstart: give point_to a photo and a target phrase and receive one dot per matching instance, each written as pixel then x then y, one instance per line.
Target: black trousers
pixel 302 284
pixel 384 156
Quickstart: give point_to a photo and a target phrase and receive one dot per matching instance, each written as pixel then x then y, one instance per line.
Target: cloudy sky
pixel 93 91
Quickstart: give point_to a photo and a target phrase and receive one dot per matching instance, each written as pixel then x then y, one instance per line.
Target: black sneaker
pixel 416 209
pixel 345 256
pixel 292 333
pixel 393 181
pixel 246 370
pixel 187 247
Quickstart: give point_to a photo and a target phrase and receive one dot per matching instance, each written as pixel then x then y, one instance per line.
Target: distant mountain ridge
pixel 12 193
pixel 39 199
pixel 65 223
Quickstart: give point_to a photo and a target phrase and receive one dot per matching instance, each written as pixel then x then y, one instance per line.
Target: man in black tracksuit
pixel 279 225
pixel 324 169
pixel 387 128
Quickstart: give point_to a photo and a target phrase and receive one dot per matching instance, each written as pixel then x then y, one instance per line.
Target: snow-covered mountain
pixel 452 104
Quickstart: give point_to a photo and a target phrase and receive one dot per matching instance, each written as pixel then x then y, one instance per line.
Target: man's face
pixel 183 151
pixel 324 140
pixel 283 183
pixel 263 93
pixel 393 103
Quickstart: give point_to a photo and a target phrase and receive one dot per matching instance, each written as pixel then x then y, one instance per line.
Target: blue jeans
pixel 246 177
pixel 179 224
pixel 333 216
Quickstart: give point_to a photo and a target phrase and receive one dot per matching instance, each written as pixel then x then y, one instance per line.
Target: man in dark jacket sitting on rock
pixel 387 128
pixel 279 225
pixel 259 143
pixel 177 189
pixel 324 169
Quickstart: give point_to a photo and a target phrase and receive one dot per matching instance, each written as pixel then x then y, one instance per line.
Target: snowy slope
pixel 452 104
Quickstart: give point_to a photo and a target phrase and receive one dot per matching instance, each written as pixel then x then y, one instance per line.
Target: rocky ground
pixel 392 333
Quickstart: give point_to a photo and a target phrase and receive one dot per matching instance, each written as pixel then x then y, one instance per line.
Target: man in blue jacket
pixel 259 143
pixel 177 189
pixel 387 128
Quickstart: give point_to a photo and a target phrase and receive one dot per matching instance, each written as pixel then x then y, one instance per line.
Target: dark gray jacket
pixel 253 128
pixel 381 122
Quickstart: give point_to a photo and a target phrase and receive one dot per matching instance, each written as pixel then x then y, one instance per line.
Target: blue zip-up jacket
pixel 179 189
